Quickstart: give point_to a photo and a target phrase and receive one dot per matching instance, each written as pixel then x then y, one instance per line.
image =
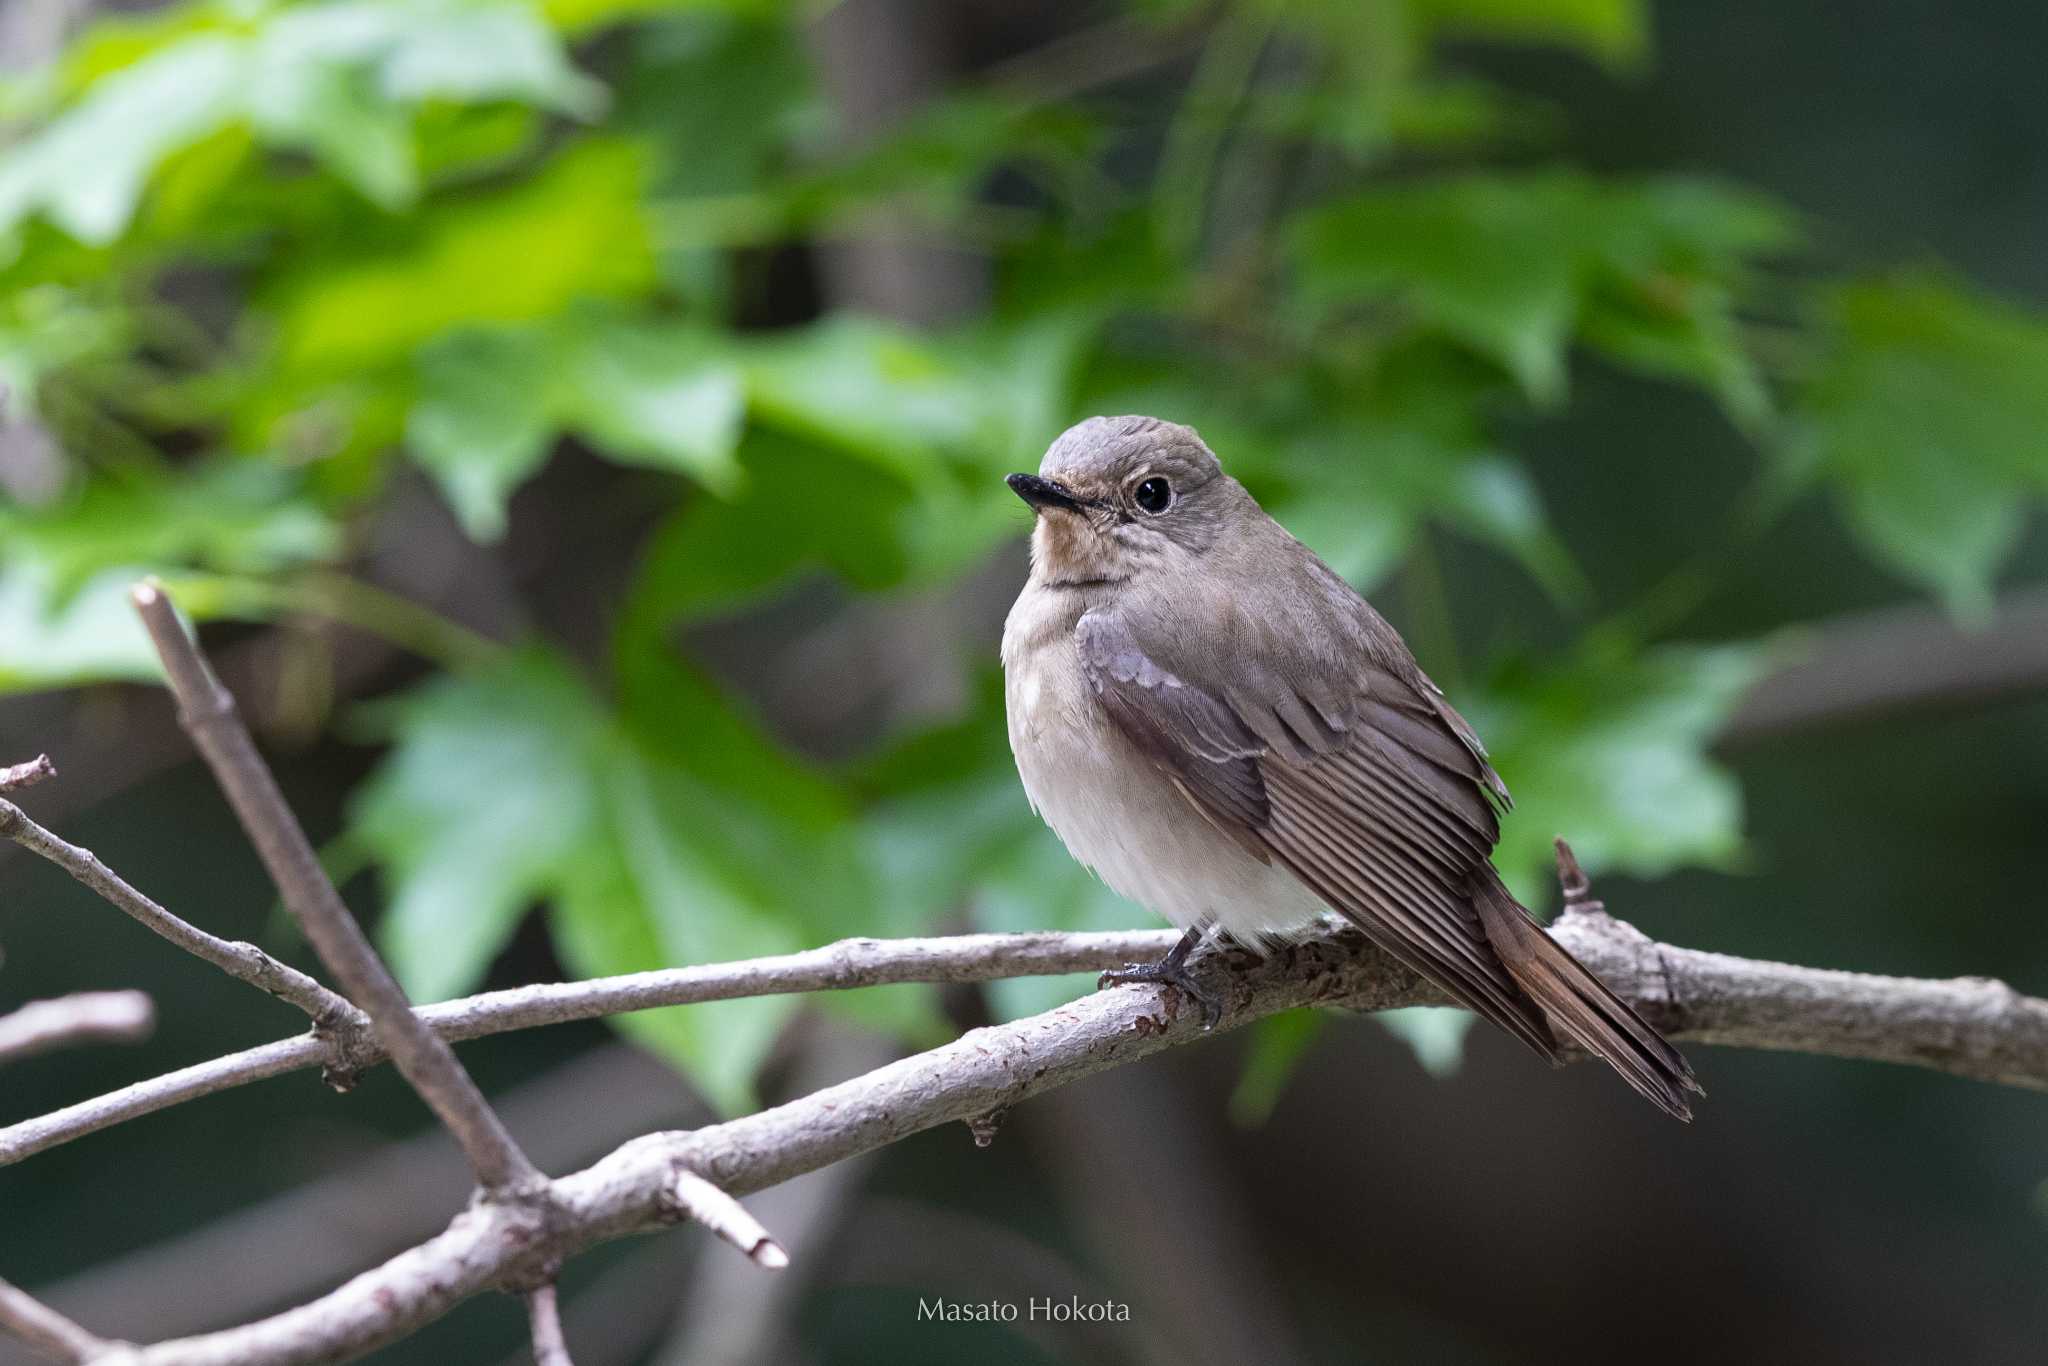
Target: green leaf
pixel 56 640
pixel 1609 749
pixel 648 896
pixel 1488 260
pixel 491 402
pixel 1926 416
pixel 87 169
pixel 1517 266
pixel 665 833
pixel 1279 1043
pixel 492 788
pixel 341 80
pixel 1614 33
pixel 1435 1033
pixel 485 419
pixel 573 231
pixel 65 569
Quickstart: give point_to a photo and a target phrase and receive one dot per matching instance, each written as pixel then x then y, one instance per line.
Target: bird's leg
pixel 1171 971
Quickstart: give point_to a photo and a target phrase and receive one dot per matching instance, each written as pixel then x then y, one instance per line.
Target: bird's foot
pixel 1170 971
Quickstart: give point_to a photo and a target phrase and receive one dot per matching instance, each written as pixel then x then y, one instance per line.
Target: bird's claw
pixel 1166 973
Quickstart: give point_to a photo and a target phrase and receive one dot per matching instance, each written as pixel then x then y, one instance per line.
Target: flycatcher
pixel 1228 734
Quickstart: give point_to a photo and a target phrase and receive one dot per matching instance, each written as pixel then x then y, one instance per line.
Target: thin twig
pixel 208 715
pixel 45 1330
pixel 85 1017
pixel 1974 1028
pixel 1970 1027
pixel 238 959
pixel 846 964
pixel 704 1203
pixel 544 1315
pixel 1966 1026
pixel 18 776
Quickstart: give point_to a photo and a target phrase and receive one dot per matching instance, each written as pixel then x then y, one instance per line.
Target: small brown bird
pixel 1228 734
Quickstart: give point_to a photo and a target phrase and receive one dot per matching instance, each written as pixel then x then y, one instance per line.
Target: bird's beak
pixel 1044 493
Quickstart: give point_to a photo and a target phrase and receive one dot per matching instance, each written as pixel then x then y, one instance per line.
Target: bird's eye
pixel 1154 495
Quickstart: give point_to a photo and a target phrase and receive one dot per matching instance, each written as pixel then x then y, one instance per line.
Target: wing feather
pixel 1384 817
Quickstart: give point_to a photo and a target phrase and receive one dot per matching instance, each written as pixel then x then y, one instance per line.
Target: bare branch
pixel 86 1017
pixel 704 1203
pixel 1898 659
pixel 550 1348
pixel 846 964
pixel 18 776
pixel 207 713
pixel 1968 1027
pixel 45 1330
pixel 238 959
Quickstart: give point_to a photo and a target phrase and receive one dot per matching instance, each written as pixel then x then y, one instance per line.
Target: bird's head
pixel 1117 497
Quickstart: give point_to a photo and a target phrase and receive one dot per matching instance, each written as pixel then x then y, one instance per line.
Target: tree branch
pixel 17 776
pixel 846 964
pixel 1897 659
pixel 544 1315
pixel 240 960
pixel 45 1330
pixel 86 1017
pixel 207 713
pixel 1969 1027
pixel 706 1204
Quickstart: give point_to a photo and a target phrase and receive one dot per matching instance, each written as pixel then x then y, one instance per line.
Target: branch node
pixel 1572 880
pixel 18 776
pixel 985 1126
pixel 690 1196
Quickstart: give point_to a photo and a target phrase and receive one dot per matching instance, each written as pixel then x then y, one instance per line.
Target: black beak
pixel 1043 493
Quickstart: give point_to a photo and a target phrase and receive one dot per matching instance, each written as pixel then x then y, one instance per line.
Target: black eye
pixel 1154 495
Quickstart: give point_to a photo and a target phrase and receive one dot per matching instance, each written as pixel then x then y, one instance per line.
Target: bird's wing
pixel 1367 787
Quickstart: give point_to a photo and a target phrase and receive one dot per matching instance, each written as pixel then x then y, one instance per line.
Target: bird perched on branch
pixel 1228 734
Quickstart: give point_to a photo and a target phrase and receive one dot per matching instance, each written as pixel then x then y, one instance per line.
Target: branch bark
pixel 45 1330
pixel 207 713
pixel 844 965
pixel 238 959
pixel 544 1317
pixel 1969 1027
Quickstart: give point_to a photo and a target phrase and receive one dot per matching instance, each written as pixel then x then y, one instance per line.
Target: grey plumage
pixel 1229 734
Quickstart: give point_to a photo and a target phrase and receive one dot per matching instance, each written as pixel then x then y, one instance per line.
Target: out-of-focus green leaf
pixel 1435 1033
pixel 87 169
pixel 652 893
pixel 1489 261
pixel 339 80
pixel 667 833
pixel 1608 748
pixel 492 786
pixel 1615 33
pixel 906 401
pixel 491 402
pixel 572 232
pixel 1516 266
pixel 1279 1043
pixel 57 640
pixel 65 569
pixel 1927 415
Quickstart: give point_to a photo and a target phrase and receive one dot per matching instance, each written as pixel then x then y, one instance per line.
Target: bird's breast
pixel 1115 810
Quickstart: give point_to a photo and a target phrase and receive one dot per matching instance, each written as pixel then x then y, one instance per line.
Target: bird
pixel 1227 733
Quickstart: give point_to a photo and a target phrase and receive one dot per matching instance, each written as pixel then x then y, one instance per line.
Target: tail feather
pixel 1578 1004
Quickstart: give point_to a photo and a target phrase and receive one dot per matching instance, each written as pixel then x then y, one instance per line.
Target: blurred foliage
pixel 258 257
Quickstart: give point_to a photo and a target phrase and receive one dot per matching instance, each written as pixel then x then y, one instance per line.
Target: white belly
pixel 1118 814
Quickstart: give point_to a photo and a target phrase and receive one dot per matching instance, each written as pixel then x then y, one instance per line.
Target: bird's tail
pixel 1578 1004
